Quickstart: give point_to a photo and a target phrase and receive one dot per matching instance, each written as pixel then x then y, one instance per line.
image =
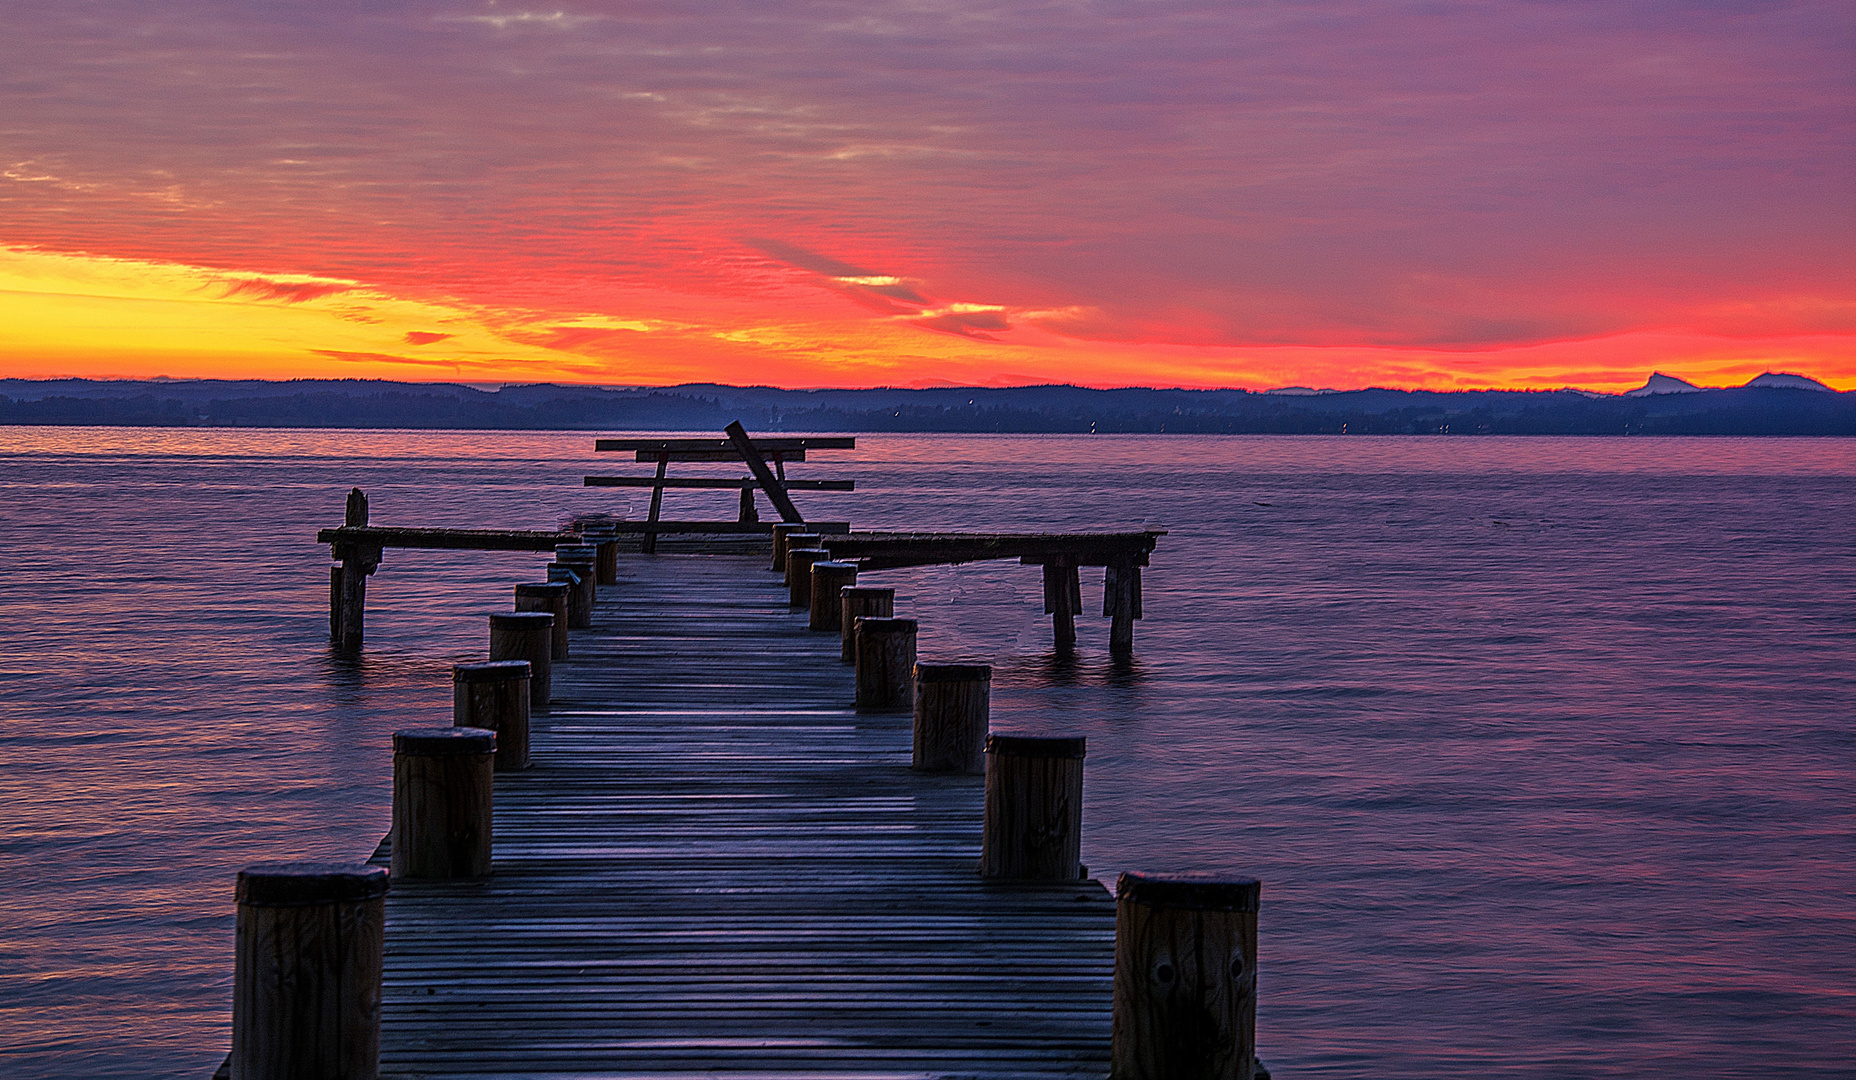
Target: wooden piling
pixel 1063 598
pixel 441 802
pixel 1185 978
pixel 583 559
pixel 799 574
pixel 1033 826
pixel 493 695
pixel 348 581
pixel 782 530
pixel 579 608
pixel 306 971
pixel 335 604
pixel 855 602
pixel 551 597
pixel 527 635
pixel 605 540
pixel 795 541
pixel 885 663
pixel 828 582
pixel 953 706
pixel 1121 602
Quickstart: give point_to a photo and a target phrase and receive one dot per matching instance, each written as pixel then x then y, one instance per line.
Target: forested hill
pixel 1052 409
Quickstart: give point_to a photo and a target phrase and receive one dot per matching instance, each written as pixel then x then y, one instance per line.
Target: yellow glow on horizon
pixel 66 314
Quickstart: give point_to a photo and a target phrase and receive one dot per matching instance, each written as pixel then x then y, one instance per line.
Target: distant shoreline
pixel 379 404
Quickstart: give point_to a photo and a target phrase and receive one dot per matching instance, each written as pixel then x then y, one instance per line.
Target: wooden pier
pixel 686 840
pixel 718 868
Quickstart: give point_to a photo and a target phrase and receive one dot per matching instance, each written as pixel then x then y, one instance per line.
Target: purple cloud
pixel 1397 172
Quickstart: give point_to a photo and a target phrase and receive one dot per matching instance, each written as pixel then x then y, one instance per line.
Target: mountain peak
pixel 1663 384
pixel 1788 381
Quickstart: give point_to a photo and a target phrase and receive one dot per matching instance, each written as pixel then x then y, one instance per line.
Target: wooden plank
pixel 723 456
pixel 876 551
pixel 448 539
pixel 766 443
pixel 769 483
pixel 712 483
pixel 717 868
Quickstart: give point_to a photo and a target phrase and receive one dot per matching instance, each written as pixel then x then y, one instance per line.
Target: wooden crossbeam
pixel 881 551
pixel 376 537
pixel 766 445
pixel 446 539
pixel 712 483
pixel 714 456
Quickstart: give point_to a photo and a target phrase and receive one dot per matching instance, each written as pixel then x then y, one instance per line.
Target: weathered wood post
pixel 828 581
pixel 579 610
pixel 306 971
pixel 796 541
pixel 748 514
pixel 1063 598
pixel 527 635
pixel 583 560
pixel 441 802
pixel 953 706
pixel 857 601
pixel 885 663
pixel 550 597
pixel 781 531
pixel 605 539
pixel 1033 826
pixel 493 695
pixel 1185 978
pixel 799 574
pixel 335 604
pixel 348 581
pixel 1121 601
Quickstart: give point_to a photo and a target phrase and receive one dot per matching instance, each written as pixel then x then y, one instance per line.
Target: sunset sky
pixel 1326 192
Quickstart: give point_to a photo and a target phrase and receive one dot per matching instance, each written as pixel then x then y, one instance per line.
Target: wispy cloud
pixel 1431 178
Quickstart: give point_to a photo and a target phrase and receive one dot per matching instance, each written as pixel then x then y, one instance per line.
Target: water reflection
pixel 1474 765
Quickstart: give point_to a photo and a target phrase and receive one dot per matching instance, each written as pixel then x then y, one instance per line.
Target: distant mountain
pixel 1663 384
pixel 1787 381
pixel 1761 409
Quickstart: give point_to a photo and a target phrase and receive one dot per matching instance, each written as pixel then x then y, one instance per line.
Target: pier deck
pixel 717 868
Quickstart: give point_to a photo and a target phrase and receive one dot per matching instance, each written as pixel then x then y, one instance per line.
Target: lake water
pixel 1542 748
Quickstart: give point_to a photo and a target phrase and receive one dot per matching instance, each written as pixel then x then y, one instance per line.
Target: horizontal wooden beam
pixel 652 456
pixel 717 527
pixel 658 446
pixel 371 537
pixel 886 551
pixel 711 482
pixel 448 539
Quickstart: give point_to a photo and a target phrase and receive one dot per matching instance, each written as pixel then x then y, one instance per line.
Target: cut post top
pixel 303 884
pixel 1037 746
pixel 931 672
pixel 869 624
pixel 444 741
pixel 1189 892
pixel 490 671
pixel 522 620
pixel 548 589
pixel 826 566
